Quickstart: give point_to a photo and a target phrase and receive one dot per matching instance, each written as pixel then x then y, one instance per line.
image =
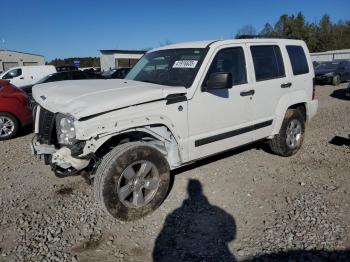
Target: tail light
pixel 313 88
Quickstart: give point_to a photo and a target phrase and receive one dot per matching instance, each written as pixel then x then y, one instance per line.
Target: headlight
pixel 65 130
pixel 329 74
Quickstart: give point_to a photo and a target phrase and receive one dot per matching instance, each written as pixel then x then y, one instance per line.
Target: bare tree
pixel 246 30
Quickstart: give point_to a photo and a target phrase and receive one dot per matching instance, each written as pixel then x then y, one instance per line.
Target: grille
pixel 46 127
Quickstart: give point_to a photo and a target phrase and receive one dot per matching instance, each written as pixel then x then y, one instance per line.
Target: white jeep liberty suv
pixel 179 103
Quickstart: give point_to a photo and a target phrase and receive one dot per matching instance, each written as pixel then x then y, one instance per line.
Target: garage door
pixel 8 65
pixel 30 63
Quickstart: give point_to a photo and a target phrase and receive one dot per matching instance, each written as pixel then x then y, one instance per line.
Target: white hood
pixel 81 98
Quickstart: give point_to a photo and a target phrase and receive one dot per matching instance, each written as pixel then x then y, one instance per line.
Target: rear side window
pixel 298 59
pixel 268 62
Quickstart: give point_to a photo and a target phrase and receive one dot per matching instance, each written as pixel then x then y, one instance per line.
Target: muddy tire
pixel 9 126
pixel 291 136
pixel 132 181
pixel 336 80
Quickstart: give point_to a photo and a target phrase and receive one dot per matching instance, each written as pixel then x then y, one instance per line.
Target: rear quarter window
pixel 297 59
pixel 268 62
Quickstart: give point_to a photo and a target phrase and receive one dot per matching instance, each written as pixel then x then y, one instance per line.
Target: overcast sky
pixel 82 27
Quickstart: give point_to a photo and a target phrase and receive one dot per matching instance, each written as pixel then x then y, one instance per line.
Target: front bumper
pixel 323 79
pixel 61 157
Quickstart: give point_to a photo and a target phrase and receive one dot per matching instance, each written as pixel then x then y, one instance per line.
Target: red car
pixel 15 111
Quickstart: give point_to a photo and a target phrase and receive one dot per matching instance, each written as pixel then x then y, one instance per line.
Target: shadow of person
pixel 197 231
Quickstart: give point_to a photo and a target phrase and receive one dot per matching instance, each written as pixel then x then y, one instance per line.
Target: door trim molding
pixel 212 139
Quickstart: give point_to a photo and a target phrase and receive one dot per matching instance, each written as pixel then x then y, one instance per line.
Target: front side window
pixel 171 67
pixel 268 62
pixel 298 59
pixel 13 73
pixel 230 60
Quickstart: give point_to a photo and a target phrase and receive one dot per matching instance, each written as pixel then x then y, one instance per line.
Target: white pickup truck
pixel 179 103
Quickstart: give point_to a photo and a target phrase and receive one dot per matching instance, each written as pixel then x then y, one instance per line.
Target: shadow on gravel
pixel 340 141
pixel 305 256
pixel 197 231
pixel 340 94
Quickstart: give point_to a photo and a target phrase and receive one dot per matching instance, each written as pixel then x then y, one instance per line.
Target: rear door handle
pixel 248 93
pixel 287 85
pixel 21 77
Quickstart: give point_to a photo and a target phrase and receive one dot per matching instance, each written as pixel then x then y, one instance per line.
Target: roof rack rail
pixel 249 36
pixel 261 36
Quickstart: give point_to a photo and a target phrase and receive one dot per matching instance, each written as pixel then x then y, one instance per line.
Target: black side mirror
pixel 219 80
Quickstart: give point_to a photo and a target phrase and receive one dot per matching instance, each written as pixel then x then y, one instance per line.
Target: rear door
pixel 270 84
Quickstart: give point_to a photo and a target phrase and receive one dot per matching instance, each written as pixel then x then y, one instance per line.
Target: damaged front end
pixel 55 140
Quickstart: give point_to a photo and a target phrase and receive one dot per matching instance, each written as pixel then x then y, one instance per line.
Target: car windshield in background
pixel 43 80
pixel 171 67
pixel 109 72
pixel 329 65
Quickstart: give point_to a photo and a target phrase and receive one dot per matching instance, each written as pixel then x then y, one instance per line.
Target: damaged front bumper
pixel 61 160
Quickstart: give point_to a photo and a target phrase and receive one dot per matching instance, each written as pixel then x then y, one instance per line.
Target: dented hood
pixel 82 98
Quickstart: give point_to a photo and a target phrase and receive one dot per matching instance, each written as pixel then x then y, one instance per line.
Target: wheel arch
pixel 156 135
pixel 295 100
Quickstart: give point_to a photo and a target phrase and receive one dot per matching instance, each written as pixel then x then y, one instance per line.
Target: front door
pixel 222 119
pixel 16 77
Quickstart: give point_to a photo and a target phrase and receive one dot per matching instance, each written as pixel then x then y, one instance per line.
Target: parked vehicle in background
pixel 117 73
pixel 66 68
pixel 178 104
pixel 347 91
pixel 332 72
pixel 27 75
pixel 62 76
pixel 15 111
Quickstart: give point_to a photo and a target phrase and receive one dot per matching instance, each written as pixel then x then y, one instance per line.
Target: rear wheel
pixel 132 181
pixel 9 126
pixel 291 136
pixel 336 80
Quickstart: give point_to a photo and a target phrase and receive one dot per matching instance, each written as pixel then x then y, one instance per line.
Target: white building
pixel 119 58
pixel 10 59
pixel 331 55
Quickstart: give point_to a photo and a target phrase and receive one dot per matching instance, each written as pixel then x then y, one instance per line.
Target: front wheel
pixel 9 126
pixel 336 80
pixel 291 136
pixel 132 181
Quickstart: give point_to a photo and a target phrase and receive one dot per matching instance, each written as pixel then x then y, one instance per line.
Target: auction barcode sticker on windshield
pixel 185 64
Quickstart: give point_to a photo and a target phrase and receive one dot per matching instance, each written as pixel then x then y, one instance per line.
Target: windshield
pixel 43 80
pixel 171 67
pixel 328 65
pixel 109 72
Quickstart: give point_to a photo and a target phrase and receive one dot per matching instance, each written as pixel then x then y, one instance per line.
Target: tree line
pixel 319 36
pixel 84 61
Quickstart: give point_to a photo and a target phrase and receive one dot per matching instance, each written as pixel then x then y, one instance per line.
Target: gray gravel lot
pixel 246 204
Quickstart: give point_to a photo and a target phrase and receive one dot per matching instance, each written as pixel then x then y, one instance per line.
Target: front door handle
pixel 248 93
pixel 21 77
pixel 287 85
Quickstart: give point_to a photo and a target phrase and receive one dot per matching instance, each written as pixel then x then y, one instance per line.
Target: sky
pixel 61 29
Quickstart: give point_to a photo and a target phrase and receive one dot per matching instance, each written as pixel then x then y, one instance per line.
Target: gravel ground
pixel 246 204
